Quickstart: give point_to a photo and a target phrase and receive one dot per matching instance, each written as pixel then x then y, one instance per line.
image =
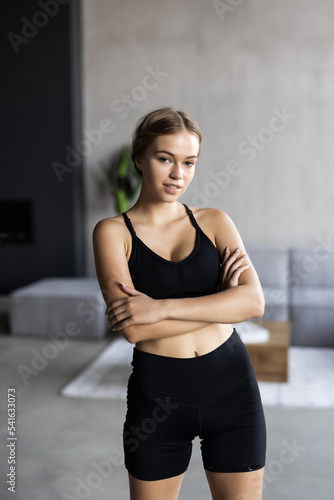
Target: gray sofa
pixel 298 284
pixel 59 308
pixel 312 295
pixel 272 266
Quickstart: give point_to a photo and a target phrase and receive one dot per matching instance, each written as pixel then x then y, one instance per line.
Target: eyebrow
pixel 171 154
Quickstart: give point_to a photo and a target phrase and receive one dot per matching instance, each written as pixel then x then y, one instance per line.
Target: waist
pixel 201 378
pixel 188 345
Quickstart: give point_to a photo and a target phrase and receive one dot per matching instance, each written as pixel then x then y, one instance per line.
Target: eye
pixel 163 159
pixel 189 163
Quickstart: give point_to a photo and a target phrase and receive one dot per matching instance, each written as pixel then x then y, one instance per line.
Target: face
pixel 168 165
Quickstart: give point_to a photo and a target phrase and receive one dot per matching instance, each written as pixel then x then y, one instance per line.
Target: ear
pixel 138 162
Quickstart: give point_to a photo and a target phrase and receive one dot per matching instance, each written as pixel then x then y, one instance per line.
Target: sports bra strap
pixel 191 215
pixel 133 232
pixel 128 223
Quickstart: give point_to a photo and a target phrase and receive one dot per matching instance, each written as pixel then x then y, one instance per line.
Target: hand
pixel 137 308
pixel 232 267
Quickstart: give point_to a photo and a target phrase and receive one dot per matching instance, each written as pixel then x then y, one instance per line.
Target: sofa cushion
pixel 58 306
pixel 271 263
pixel 311 267
pixel 312 326
pixel 276 303
pixel 321 298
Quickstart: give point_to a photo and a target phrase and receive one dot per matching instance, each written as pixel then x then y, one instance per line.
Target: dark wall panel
pixel 40 116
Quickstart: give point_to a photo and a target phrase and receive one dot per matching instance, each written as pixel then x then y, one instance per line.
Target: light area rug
pixel 310 380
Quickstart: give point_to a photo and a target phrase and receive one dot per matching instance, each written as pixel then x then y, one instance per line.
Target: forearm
pixel 161 329
pixel 233 305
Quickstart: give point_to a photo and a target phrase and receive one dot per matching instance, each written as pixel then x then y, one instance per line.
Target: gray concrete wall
pixel 257 75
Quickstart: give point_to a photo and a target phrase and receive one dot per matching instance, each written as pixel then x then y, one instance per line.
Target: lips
pixel 173 186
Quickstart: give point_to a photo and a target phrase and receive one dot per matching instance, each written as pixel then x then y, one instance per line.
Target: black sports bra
pixel 197 274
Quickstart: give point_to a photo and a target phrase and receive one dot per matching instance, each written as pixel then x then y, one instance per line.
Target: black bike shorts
pixel 171 400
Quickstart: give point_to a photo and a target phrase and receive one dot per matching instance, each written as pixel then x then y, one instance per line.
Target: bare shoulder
pixel 211 217
pixel 109 227
pixel 219 226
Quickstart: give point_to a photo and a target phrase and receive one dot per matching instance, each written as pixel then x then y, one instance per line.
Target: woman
pixel 174 278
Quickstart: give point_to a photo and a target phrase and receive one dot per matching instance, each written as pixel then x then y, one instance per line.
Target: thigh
pixel 164 489
pixel 236 485
pixel 233 435
pixel 157 437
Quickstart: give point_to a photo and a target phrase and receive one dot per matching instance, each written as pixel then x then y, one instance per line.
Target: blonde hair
pixel 162 121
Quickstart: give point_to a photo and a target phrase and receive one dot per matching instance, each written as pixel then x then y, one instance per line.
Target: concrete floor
pixel 61 442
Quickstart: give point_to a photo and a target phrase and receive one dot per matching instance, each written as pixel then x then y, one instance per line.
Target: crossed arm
pixel 139 317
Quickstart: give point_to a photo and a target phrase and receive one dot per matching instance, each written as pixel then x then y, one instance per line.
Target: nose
pixel 176 172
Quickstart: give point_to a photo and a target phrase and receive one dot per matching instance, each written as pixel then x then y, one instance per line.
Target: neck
pixel 156 211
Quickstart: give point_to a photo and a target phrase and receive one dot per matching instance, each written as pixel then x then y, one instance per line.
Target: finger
pixel 112 319
pixel 118 312
pixel 110 309
pixel 232 257
pixel 234 271
pixel 237 272
pixel 231 263
pixel 227 265
pixel 122 324
pixel 242 257
pixel 112 305
pixel 231 270
pixel 116 303
pixel 127 289
pixel 119 318
pixel 225 255
pixel 238 262
pixel 243 268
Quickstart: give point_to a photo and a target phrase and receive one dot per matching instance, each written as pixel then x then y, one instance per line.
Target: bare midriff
pixel 191 344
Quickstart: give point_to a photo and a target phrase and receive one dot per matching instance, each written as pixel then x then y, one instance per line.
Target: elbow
pixel 259 306
pixel 258 313
pixel 131 334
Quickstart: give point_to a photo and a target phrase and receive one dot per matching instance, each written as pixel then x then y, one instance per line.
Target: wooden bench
pixel 270 359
